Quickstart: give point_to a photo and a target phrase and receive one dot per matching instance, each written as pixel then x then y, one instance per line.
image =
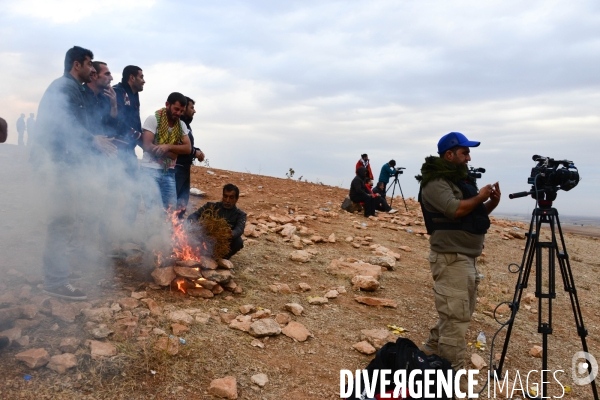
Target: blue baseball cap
pixel 452 139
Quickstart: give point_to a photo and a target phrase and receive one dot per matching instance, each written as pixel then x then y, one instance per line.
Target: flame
pixel 180 284
pixel 182 249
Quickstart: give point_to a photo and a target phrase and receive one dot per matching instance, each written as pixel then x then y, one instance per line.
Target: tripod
pixel 394 184
pixel 535 249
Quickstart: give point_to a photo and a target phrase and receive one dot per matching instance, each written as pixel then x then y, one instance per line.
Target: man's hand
pixel 494 198
pixel 112 96
pixel 161 149
pixel 199 155
pixel 485 193
pixel 105 145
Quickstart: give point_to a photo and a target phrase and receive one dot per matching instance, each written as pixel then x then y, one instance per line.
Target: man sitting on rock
pixel 227 209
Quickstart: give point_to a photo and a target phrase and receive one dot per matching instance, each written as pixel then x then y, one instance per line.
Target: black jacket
pixel 358 187
pixel 185 160
pixel 98 110
pixel 235 217
pixel 62 129
pixel 128 105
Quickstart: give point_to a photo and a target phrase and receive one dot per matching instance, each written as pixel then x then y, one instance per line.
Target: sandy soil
pixel 310 369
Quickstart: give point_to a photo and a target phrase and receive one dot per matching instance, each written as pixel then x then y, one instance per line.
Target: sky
pixel 311 85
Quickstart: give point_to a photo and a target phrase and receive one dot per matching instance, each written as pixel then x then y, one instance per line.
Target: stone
pixel 29 311
pixel 180 316
pixel 34 358
pixel 260 379
pixel 529 298
pixel 241 322
pixel 405 248
pixel 158 331
pixel 304 287
pixel 218 275
pixel 101 331
pixel 364 347
pixel 296 331
pixel 264 313
pixel 376 302
pixel 332 294
pixel 377 337
pixel 317 300
pixel 383 261
pixel 349 239
pixel 225 264
pixel 264 327
pixel 201 292
pixel 209 263
pixel 517 235
pixel 226 318
pixel 341 289
pixel 224 387
pixel 188 264
pixel 294 308
pixel 478 361
pixel 129 303
pixel 257 343
pixel 367 283
pixel 218 289
pixel 163 276
pixel 300 256
pixel 26 323
pixel 62 362
pixel 69 344
pixel 178 329
pixel 102 349
pixel 139 295
pixel 288 231
pixel 331 238
pixel 285 288
pixel 350 270
pixel 206 284
pixel 154 308
pixel 63 311
pixel 168 344
pixel 536 351
pixel 503 309
pixel 283 318
pixel 316 239
pixel 115 307
pixel 8 299
pixel 297 244
pixel 12 334
pixel 23 341
pixel 247 308
pixel 190 273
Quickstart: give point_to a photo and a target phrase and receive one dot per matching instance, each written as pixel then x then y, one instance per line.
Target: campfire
pixel 190 268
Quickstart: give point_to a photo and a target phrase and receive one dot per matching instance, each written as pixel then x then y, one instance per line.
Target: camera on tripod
pixel 399 171
pixel 475 173
pixel 548 177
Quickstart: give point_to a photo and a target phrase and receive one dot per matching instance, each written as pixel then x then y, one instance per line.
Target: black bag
pixel 404 355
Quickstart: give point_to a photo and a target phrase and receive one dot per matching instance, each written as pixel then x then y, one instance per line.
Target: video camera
pixel 399 171
pixel 548 177
pixel 475 173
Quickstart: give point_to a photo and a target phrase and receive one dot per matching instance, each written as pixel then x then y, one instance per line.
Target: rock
pixel 383 261
pixel 102 349
pixel 264 327
pixel 12 334
pixel 300 256
pixel 294 308
pixel 178 329
pixel 265 313
pixel 503 309
pixel 332 294
pixel 283 318
pixel 377 337
pixel 63 311
pixel 260 379
pixel 218 289
pixel 29 311
pixel 242 323
pixel 69 344
pixel 257 343
pixel 7 299
pixel 180 316
pixel 62 362
pixel 190 273
pixel 209 263
pixel 529 298
pixel 376 302
pixel 23 341
pixel 296 331
pixel 101 331
pixel 536 351
pixel 316 239
pixel 284 288
pixel 163 276
pixel 331 238
pixel 349 239
pixel 115 307
pixel 405 248
pixel 129 303
pixel 154 308
pixel 350 270
pixel 158 331
pixel 367 283
pixel 304 287
pixel 224 387
pixel 288 230
pixel 168 344
pixel 478 361
pixel 206 284
pixel 226 318
pixel 247 308
pixel 188 264
pixel 297 244
pixel 200 292
pixel 364 347
pixel 517 235
pixel 26 323
pixel 218 275
pixel 34 358
pixel 225 264
pixel 317 300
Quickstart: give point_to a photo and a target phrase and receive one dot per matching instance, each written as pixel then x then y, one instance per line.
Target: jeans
pixel 164 186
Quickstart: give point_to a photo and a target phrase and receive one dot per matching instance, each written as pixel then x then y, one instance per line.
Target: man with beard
pixel 65 145
pixel 456 217
pixel 101 101
pixel 184 162
pixel 165 136
pixel 227 209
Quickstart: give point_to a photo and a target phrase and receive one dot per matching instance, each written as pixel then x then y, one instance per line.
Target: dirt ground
pixel 310 369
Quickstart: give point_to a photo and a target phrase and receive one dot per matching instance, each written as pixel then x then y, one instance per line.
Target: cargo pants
pixel 455 290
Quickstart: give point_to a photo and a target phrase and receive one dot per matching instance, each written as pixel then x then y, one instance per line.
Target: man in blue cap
pixel 456 217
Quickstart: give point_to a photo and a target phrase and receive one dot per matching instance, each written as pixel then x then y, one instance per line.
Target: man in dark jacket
pixel 66 142
pixel 360 194
pixel 235 217
pixel 101 101
pixel 184 162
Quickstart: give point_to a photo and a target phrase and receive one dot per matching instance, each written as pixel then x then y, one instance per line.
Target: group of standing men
pixel 23 126
pixel 88 130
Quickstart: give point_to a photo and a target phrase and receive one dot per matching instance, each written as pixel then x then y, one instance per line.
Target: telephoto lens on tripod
pixel 547 178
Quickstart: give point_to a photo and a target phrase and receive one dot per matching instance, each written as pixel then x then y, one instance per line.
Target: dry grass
pixel 218 232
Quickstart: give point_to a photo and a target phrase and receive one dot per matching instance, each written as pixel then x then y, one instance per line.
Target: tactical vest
pixel 476 222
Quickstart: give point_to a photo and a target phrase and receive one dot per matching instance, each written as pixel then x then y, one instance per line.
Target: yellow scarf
pixel 163 136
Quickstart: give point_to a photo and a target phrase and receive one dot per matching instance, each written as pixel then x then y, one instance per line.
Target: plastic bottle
pixel 481 338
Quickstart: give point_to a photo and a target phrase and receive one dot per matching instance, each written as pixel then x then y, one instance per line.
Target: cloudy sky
pixel 310 85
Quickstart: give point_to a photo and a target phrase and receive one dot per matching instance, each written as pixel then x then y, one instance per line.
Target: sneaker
pixel 392 211
pixel 67 292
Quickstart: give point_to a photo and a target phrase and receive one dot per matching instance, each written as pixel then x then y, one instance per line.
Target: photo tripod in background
pixel 546 179
pixel 397 183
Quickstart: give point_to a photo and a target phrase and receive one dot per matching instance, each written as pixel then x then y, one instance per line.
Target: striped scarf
pixel 163 136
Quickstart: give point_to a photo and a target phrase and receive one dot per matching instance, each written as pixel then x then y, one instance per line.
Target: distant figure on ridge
pixel 21 128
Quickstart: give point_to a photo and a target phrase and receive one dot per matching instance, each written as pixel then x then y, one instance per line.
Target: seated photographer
pixel 387 171
pixel 227 209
